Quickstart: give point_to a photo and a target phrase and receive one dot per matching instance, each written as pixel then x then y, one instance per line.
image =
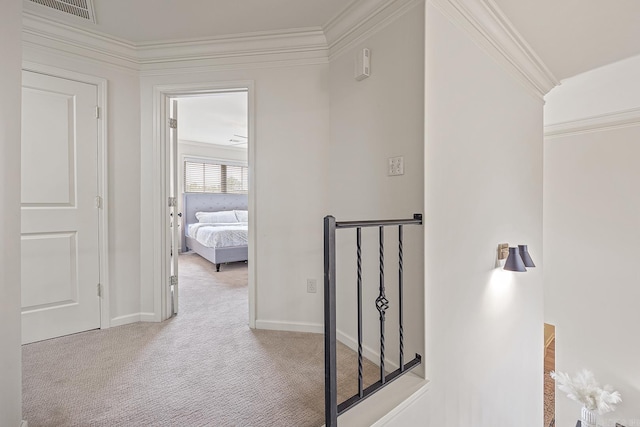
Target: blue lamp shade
pixel 524 254
pixel 514 261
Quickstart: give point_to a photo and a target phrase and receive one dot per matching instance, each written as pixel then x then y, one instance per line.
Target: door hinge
pixel 99 290
pixel 97 112
pixel 173 280
pixel 173 123
pixel 173 202
pixel 98 202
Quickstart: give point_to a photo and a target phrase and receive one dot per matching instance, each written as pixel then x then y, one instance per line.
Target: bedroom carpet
pixel 204 367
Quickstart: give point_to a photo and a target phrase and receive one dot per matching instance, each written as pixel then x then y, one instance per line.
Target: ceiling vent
pixel 79 8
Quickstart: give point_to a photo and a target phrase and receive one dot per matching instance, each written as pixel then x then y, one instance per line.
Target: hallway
pixel 203 367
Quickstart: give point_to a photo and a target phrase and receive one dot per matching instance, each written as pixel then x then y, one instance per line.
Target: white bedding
pixel 216 235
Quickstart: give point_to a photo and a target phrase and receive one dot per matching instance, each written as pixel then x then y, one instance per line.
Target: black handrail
pixel 332 409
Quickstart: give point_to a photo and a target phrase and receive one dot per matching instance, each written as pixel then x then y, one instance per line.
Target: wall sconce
pixel 516 258
pixel 524 254
pixel 514 261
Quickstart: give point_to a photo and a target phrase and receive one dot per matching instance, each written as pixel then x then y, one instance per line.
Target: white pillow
pixel 242 216
pixel 222 216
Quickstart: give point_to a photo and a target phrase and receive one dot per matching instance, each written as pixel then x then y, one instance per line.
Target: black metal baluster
pixel 400 296
pixel 359 250
pixel 330 338
pixel 382 304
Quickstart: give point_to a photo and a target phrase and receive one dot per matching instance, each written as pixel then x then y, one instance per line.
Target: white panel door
pixel 60 255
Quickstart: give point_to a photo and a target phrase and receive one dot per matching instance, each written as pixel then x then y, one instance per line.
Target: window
pixel 211 177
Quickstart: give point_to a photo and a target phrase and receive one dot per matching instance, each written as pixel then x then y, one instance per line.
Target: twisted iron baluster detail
pixel 332 409
pixel 382 304
pixel 359 254
pixel 400 296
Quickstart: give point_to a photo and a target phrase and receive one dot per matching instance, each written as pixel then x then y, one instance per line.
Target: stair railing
pixel 332 408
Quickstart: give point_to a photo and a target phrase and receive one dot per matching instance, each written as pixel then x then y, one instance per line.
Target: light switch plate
pixel 395 166
pixel 312 286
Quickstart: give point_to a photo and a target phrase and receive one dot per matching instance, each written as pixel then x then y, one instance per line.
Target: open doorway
pixel 210 173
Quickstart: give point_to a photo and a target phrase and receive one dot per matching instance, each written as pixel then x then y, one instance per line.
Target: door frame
pixel 102 173
pixel 161 177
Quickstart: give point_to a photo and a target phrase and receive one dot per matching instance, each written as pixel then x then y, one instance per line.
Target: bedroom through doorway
pixel 210 181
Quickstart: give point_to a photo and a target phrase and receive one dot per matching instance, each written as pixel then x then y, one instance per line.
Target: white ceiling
pixel 220 119
pixel 153 20
pixel 570 36
pixel 574 36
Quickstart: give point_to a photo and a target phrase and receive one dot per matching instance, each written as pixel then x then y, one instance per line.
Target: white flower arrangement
pixel 584 388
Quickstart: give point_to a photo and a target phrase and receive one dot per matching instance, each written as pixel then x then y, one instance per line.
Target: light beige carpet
pixel 204 367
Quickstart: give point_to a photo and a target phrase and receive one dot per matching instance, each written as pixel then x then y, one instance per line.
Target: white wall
pixel 291 131
pixel 123 175
pixel 591 236
pixel 372 120
pixel 10 84
pixel 483 186
pixel 609 89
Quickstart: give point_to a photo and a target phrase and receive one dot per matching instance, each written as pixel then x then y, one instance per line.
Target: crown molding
pixel 491 29
pixel 602 122
pixel 482 19
pixel 360 20
pixel 262 43
pixel 50 34
pixel 242 49
pixel 298 46
pixel 231 64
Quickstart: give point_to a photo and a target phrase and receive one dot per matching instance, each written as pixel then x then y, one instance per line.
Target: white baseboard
pixel 277 325
pixel 367 352
pixel 318 328
pixel 125 320
pixel 133 318
pixel 148 317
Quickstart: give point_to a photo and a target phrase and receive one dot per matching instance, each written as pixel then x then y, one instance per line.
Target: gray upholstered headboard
pixel 208 202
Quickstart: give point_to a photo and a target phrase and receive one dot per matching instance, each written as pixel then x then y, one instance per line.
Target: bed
pixel 216 227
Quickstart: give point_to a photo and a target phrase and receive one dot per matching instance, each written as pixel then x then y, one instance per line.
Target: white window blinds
pixel 210 177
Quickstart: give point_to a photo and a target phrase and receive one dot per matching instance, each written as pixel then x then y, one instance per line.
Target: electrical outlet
pixel 312 286
pixel 395 166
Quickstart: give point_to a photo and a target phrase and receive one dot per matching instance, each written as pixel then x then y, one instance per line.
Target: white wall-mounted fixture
pixel 362 64
pixel 312 286
pixel 395 166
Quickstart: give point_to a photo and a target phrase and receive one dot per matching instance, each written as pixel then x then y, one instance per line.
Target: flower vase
pixel 588 418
